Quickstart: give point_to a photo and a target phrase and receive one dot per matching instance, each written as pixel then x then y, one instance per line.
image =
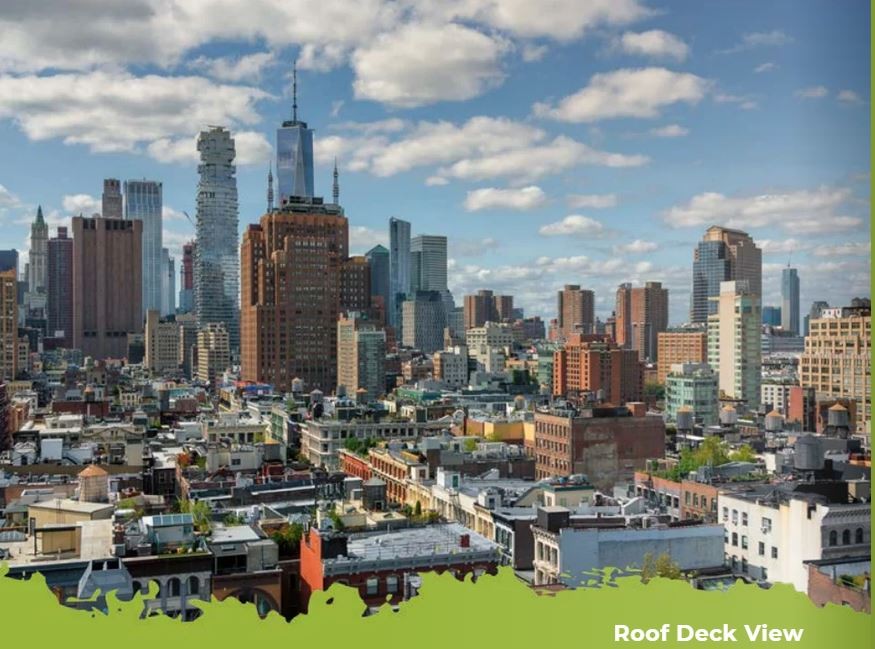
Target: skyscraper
pixel 59 285
pixel 790 301
pixel 217 264
pixel 143 201
pixel 399 270
pixel 424 318
pixel 361 357
pixel 39 238
pixel 112 199
pixel 8 325
pixel 294 154
pixel 107 295
pixel 723 255
pixel 378 260
pixel 641 314
pixel 772 316
pixel 576 310
pixel 485 306
pixel 734 345
pixel 355 285
pixel 186 278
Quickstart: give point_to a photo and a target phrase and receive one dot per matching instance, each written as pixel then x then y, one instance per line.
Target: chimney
pixel 465 541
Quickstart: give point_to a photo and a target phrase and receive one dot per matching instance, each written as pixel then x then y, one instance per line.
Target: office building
pixel 213 352
pixel 837 359
pixel 107 287
pixel 772 316
pixel 59 285
pixel 682 345
pixel 575 310
pixel 361 358
pixel 143 201
pixel 162 344
pixel 112 201
pixel 723 255
pixel 294 155
pixel 734 345
pixel 814 312
pixel 640 316
pixel 593 367
pixel 8 327
pixel 355 285
pixel 423 321
pixel 790 301
pixel 378 261
pixel 291 287
pixel 399 270
pixel 217 262
pixel 186 278
pixel 428 266
pixel 692 387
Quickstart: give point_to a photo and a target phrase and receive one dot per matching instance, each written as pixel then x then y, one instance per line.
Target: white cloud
pixel 592 201
pixel 802 212
pixel 486 198
pixel 436 181
pixel 768 66
pixel 247 68
pixel 532 52
pixel 8 199
pixel 753 40
pixel 654 43
pixel 814 92
pixel 84 204
pixel 116 111
pixel 781 246
pixel 171 214
pixel 183 150
pixel 849 97
pixel 744 102
pixel 637 246
pixel 670 130
pixel 574 225
pixel 335 107
pixel 422 64
pixel 322 57
pixel 639 92
pixel 362 239
pixel 850 249
pixel 251 148
pixel 389 125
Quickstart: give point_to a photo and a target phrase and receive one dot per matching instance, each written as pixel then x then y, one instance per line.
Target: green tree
pixel 233 520
pixel 661 566
pixel 470 445
pixel 417 510
pixel 336 520
pixel 654 390
pixel 744 454
pixel 712 451
pixel 200 511
pixel 288 538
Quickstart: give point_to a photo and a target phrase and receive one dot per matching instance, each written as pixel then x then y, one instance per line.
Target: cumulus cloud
pixel 247 68
pixel 637 246
pixel 803 211
pixel 781 246
pixel 754 40
pixel 533 52
pixel 116 111
pixel 574 225
pixel 592 201
pixel 670 130
pixel 641 92
pixel 362 239
pixel 488 198
pixel 813 92
pixel 654 43
pixel 84 204
pixel 850 249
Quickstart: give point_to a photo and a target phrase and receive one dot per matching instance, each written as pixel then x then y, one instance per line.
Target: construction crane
pixel 190 220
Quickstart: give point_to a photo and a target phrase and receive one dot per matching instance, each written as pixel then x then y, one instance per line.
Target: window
pixel 392 584
pixel 761 549
pixel 735 538
pixel 744 542
pixel 735 517
pixel 173 587
pixel 744 518
pixel 846 537
pixel 743 564
pixel 858 535
pixel 372 586
pixel 193 585
pixel 774 552
pixel 767 525
pixel 687 498
pixel 833 538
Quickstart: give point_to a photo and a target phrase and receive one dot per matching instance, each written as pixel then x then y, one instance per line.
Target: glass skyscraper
pixel 143 202
pixel 294 155
pixel 399 269
pixel 723 255
pixel 217 261
pixel 378 260
pixel 790 300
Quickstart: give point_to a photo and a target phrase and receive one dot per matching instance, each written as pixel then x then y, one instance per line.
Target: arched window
pixel 193 585
pixel 833 538
pixel 173 587
pixel 846 537
pixel 858 535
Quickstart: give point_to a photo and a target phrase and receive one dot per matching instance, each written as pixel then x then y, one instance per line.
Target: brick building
pixel 594 364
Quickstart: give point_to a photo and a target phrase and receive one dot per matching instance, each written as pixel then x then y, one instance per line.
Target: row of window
pixel 846 537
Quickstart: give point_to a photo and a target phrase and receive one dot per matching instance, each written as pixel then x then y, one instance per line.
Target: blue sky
pixel 554 142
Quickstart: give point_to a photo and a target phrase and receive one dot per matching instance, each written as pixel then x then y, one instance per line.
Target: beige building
pixel 837 360
pixel 213 352
pixel 63 511
pixel 734 343
pixel 162 344
pixel 680 346
pixel 361 357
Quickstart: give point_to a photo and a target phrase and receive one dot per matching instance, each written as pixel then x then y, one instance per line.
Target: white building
pixel 734 346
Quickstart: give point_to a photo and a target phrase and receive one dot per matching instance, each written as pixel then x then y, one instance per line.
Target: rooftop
pixel 68 505
pixel 414 542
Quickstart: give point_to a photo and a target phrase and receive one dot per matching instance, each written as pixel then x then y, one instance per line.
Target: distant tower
pixel 294 154
pixel 39 237
pixel 335 188
pixel 270 189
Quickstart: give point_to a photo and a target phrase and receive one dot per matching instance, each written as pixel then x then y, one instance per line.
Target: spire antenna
pixel 270 188
pixel 295 91
pixel 335 189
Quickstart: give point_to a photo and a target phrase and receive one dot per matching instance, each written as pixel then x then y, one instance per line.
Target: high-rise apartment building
pixel 837 359
pixel 213 352
pixel 485 306
pixel 594 364
pixel 399 270
pixel 575 310
pixel 143 201
pixel 355 285
pixel 291 283
pixel 423 321
pixel 790 301
pixel 378 260
pixel 641 314
pixel 294 155
pixel 734 344
pixel 217 262
pixel 8 326
pixel 723 255
pixel 59 285
pixel 112 201
pixel 162 344
pixel 678 346
pixel 107 288
pixel 361 357
pixel 186 278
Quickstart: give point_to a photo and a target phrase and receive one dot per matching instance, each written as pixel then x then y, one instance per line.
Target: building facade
pixel 641 315
pixel 399 270
pixel 593 365
pixel 734 345
pixel 143 201
pixel 692 386
pixel 59 285
pixel 723 255
pixel 378 261
pixel 162 344
pixel 213 352
pixel 790 301
pixel 575 310
pixel 680 346
pixel 361 357
pixel 423 321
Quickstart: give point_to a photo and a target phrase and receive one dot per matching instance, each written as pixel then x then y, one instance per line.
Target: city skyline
pixel 518 159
